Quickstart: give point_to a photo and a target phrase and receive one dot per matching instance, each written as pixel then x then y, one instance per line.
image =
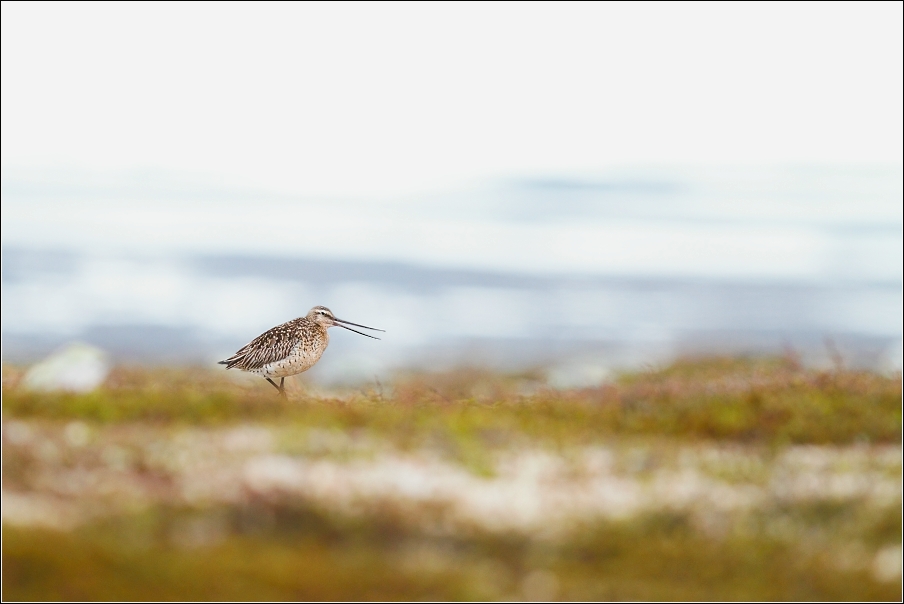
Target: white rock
pixel 76 367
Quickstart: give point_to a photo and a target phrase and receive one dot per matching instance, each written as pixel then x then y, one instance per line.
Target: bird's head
pixel 324 316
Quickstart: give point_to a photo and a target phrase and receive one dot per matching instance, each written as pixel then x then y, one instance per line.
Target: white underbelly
pixel 298 361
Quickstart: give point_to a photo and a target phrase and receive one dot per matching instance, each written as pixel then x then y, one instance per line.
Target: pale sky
pixel 384 99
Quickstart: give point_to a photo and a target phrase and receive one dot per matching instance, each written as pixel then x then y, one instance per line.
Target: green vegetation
pixel 177 484
pixel 300 553
pixel 744 400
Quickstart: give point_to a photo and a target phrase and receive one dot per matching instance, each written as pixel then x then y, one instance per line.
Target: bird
pixel 290 348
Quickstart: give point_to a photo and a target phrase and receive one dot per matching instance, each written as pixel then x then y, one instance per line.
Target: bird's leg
pixel 279 388
pixel 281 381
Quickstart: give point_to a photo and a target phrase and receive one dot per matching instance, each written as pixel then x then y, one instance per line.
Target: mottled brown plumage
pixel 290 348
pixel 276 344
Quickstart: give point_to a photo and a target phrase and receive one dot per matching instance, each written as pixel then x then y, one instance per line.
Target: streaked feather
pixel 271 346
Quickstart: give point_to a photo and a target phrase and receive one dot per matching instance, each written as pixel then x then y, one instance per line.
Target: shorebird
pixel 290 348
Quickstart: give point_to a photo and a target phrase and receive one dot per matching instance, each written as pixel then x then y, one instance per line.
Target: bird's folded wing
pixel 269 347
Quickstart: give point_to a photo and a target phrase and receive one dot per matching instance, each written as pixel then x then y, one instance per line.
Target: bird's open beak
pixel 339 323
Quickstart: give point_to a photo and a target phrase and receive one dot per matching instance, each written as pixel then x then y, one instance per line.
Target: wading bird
pixel 290 348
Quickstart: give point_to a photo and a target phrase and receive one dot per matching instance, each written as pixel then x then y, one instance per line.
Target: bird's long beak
pixel 339 323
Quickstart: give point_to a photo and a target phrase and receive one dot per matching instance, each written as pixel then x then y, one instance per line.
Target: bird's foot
pixel 280 388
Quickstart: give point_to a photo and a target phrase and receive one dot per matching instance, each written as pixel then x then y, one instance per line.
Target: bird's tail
pixel 233 360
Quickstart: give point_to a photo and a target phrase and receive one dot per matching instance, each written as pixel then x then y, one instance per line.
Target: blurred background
pixel 639 267
pixel 580 187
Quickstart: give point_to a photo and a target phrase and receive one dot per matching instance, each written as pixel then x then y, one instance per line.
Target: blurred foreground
pixel 708 479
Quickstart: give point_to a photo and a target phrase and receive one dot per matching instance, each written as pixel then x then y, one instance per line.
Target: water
pixel 579 274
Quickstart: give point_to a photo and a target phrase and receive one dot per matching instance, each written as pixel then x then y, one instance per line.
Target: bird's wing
pixel 271 346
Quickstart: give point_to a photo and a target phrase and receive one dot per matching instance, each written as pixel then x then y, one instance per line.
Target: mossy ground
pixel 289 548
pixel 744 400
pixel 302 554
